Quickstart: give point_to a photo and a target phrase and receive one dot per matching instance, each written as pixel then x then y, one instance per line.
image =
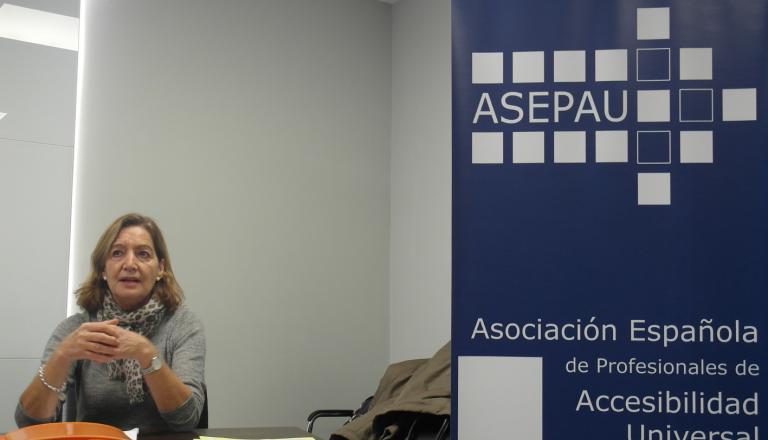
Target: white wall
pixel 37 91
pixel 257 134
pixel 420 234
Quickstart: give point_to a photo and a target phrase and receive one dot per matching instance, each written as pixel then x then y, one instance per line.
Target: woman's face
pixel 132 268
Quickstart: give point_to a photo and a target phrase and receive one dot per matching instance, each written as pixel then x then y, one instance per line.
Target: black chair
pixel 314 415
pixel 430 427
pixel 203 422
pixel 419 427
pixel 397 410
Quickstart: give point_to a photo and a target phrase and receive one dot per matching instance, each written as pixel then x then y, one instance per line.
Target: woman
pixel 136 355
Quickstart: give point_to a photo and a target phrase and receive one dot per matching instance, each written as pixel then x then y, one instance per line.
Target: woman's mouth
pixel 130 281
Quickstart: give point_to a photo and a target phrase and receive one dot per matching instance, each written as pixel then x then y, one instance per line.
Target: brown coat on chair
pixel 407 389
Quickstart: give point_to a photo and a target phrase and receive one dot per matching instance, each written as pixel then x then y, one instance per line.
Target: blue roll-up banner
pixel 610 215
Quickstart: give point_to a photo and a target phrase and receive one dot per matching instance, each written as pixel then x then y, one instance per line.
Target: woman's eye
pixel 144 254
pixel 117 253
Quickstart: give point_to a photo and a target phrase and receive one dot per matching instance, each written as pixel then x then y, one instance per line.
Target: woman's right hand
pixel 94 341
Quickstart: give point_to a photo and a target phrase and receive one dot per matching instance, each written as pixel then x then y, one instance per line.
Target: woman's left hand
pixel 131 345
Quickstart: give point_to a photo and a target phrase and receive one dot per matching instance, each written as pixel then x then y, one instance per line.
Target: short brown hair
pixel 90 294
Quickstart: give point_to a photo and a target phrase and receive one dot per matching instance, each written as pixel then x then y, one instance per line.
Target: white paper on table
pixel 133 434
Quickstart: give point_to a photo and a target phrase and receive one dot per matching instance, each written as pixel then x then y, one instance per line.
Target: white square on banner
pixel 500 397
pixel 570 147
pixel 527 67
pixel 696 63
pixel 653 106
pixel 528 147
pixel 570 66
pixel 611 146
pixel 652 23
pixel 739 104
pixel 611 65
pixel 487 147
pixel 487 67
pixel 696 147
pixel 654 189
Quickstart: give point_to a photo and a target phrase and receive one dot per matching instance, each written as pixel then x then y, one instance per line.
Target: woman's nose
pixel 130 261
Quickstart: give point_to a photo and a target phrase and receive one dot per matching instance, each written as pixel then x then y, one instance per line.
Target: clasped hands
pixel 105 341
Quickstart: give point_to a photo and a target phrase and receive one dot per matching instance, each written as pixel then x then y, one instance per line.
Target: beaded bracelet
pixel 60 391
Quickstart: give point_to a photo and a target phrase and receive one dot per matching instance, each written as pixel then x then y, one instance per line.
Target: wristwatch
pixel 154 365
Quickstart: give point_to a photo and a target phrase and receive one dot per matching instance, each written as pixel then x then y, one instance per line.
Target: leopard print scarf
pixel 143 321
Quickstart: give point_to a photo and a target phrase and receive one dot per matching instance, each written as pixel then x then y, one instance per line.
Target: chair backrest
pixel 203 422
pixel 430 427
